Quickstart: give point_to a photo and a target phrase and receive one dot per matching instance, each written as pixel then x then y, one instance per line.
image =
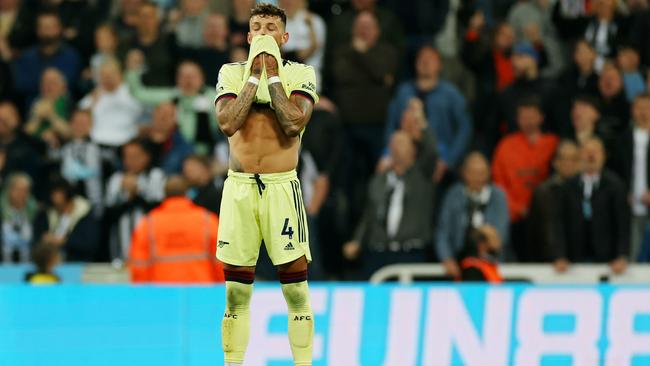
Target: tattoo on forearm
pixel 292 114
pixel 232 114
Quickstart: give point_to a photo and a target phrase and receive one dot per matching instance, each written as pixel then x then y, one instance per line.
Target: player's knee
pixel 239 288
pixel 295 289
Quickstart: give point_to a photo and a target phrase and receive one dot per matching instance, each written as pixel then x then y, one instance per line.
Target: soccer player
pixel 262 200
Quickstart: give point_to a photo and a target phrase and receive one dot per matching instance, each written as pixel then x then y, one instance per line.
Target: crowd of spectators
pixel 514 130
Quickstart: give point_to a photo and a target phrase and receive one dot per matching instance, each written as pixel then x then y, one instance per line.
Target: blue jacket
pixel 454 220
pixel 172 161
pixel 31 63
pixel 446 111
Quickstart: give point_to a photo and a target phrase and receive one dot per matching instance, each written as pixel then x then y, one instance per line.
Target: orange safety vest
pixel 489 269
pixel 176 243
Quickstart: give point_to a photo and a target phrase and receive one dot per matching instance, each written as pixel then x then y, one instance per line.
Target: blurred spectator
pixel 633 165
pixel 170 148
pixel 81 161
pixel 615 110
pixel 532 22
pixel 188 22
pixel 126 18
pixel 68 224
pixel 158 48
pixel 130 193
pixel 415 124
pixel 16 28
pixel 176 242
pixel 585 115
pixel 106 43
pixel 640 31
pixel 467 206
pixel 397 223
pixel 525 61
pixel 364 72
pixel 18 208
pixel 51 51
pixel 488 55
pixel 114 110
pixel 16 152
pixel 477 260
pixel 628 61
pixel 45 257
pixel 307 32
pixel 215 50
pixel 594 225
pixel 521 161
pixel 444 108
pixel 546 202
pixel 195 102
pixel 49 114
pixel 241 13
pixel 578 78
pixel 201 187
pixel 315 187
pixel 603 29
pixel 341 29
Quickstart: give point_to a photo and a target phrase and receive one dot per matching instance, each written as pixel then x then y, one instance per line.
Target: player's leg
pixel 238 247
pixel 235 326
pixel 293 279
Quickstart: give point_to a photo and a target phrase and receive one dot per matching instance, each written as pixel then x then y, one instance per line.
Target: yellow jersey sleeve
pixel 230 81
pixel 302 81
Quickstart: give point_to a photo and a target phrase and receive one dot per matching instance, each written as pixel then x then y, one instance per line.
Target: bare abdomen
pixel 260 145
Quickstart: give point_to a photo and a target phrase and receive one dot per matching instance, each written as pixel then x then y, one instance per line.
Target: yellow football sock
pixel 301 322
pixel 236 321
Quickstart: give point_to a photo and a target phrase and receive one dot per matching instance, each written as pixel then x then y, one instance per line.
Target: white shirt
pixel 299 39
pixel 395 205
pixel 590 183
pixel 115 116
pixel 639 172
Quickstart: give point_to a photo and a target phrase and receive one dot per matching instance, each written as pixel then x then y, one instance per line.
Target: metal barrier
pixel 538 273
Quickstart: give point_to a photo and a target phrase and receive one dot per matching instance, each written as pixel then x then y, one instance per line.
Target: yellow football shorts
pixel 258 208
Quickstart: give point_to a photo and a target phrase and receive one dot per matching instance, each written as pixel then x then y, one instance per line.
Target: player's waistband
pixel 271 178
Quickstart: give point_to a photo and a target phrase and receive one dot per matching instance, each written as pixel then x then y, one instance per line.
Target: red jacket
pixel 176 243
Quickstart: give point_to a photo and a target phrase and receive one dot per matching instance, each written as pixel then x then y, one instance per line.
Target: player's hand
pixel 618 265
pixel 561 265
pixel 451 268
pixel 351 250
pixel 271 65
pixel 257 66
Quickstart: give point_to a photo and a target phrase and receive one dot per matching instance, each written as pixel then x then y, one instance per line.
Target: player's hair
pixel 269 10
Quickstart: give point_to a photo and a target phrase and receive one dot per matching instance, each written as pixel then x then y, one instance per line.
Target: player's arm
pixel 231 110
pixel 293 113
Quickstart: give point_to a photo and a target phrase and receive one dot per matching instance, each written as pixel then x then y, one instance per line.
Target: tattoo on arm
pixel 293 114
pixel 231 113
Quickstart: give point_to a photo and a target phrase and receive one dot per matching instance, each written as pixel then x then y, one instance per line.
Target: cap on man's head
pixel 526 48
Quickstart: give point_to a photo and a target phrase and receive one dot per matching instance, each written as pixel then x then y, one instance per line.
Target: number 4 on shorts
pixel 287 230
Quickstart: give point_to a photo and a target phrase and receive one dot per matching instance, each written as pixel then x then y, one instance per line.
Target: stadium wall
pixel 356 325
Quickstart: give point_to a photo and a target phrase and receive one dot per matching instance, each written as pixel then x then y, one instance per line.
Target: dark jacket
pixel 208 197
pixel 361 88
pixel 416 226
pixel 82 237
pixel 610 224
pixel 542 219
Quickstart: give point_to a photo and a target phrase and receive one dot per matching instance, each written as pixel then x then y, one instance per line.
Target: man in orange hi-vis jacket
pixel 176 241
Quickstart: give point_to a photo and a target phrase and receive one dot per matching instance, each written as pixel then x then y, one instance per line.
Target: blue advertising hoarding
pixel 356 325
